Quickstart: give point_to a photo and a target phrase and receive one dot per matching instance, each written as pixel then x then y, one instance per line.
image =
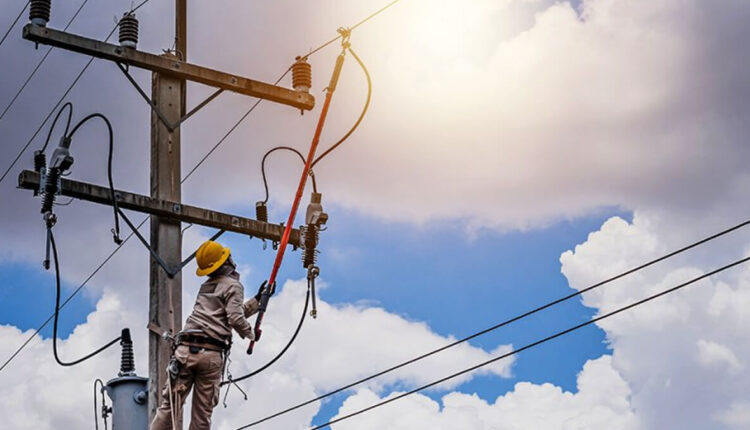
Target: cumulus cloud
pixel 680 355
pixel 344 343
pixel 539 111
pixel 602 401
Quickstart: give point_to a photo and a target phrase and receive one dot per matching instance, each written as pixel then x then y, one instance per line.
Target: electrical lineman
pixel 202 346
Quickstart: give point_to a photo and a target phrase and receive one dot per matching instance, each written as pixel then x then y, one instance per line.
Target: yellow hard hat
pixel 210 256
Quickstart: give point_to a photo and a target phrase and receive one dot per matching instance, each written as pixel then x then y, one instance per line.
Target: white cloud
pixel 680 354
pixel 344 343
pixel 736 416
pixel 602 401
pixel 714 354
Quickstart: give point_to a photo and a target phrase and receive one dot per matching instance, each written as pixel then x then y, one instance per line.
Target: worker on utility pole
pixel 201 348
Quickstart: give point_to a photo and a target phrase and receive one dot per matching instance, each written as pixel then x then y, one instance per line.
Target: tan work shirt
pixel 219 309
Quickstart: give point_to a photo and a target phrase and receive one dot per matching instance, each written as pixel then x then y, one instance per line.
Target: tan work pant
pixel 202 371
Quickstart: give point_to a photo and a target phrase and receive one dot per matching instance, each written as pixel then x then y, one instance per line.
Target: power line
pixel 371 16
pixel 534 344
pixel 231 129
pixel 185 178
pixel 507 322
pixel 15 21
pixel 70 297
pixel 62 98
pixel 44 58
pixel 109 257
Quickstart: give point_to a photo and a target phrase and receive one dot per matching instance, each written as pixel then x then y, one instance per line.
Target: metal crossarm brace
pixel 170 125
pixel 29 180
pixel 170 66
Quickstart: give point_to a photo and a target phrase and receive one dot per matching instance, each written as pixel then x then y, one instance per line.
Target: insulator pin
pixel 128 30
pixel 39 12
pixel 302 75
pixel 261 211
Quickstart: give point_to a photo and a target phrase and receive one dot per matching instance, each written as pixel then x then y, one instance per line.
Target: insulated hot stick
pixel 300 189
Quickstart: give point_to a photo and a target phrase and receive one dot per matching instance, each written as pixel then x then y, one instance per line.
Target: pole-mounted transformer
pixel 128 392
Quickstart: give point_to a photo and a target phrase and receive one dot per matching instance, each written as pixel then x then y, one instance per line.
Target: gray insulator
pixel 128 30
pixel 39 12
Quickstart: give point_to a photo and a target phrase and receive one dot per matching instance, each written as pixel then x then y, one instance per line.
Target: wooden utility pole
pixel 170 73
pixel 165 294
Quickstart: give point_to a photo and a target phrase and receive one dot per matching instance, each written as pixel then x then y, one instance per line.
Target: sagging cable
pixel 231 380
pixel 57 314
pixel 261 207
pixel 60 164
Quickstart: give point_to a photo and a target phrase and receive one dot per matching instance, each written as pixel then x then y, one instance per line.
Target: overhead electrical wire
pixel 533 344
pixel 57 314
pixel 263 167
pixel 306 56
pixel 15 21
pixel 511 320
pixel 281 353
pixel 39 64
pixel 70 297
pixel 231 130
pixel 369 17
pixel 361 115
pixel 185 178
pixel 60 100
pixel 54 122
pixel 115 205
pixel 315 189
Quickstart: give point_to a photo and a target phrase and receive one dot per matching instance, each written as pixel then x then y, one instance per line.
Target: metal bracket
pixel 171 272
pixel 170 125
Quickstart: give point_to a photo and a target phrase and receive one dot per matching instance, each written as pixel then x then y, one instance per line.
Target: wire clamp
pixel 346 34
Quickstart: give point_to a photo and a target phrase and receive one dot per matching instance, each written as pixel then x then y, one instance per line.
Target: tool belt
pixel 202 341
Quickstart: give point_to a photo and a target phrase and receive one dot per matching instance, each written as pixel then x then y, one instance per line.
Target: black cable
pixel 57 312
pixel 280 354
pixel 15 21
pixel 538 342
pixel 282 77
pixel 263 168
pixel 231 130
pixel 44 58
pixel 59 101
pixel 115 205
pixel 96 411
pixel 361 115
pixel 185 178
pixel 509 321
pixel 69 105
pixel 70 297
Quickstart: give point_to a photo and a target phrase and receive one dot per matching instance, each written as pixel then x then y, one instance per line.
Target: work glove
pixel 271 290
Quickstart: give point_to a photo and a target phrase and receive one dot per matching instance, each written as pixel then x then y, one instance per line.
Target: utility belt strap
pixel 202 341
